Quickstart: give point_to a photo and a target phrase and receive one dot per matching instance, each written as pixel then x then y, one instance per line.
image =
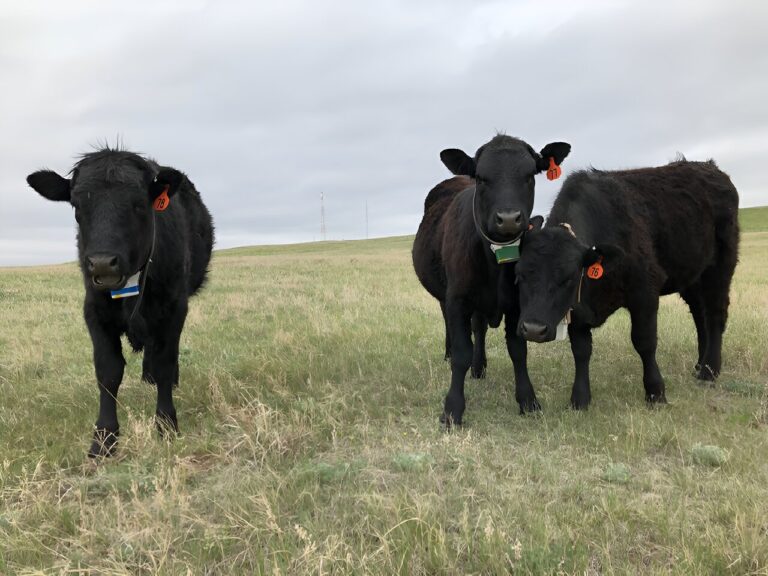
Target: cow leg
pixel 694 298
pixel 518 352
pixel 644 319
pixel 447 333
pixel 580 336
pixel 109 364
pixel 147 369
pixel 716 285
pixel 479 330
pixel 459 323
pixel 146 364
pixel 165 367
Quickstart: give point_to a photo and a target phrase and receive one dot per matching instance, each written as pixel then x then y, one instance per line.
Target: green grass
pixel 754 219
pixel 311 383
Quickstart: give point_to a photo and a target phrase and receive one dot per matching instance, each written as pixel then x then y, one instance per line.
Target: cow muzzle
pixel 536 332
pixel 105 272
pixel 508 224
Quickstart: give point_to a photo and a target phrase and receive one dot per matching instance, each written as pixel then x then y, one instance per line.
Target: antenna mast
pixel 322 216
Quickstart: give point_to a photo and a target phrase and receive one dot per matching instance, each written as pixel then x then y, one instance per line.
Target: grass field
pixel 311 383
pixel 754 219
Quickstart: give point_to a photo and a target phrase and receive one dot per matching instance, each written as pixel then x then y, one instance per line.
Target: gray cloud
pixel 265 105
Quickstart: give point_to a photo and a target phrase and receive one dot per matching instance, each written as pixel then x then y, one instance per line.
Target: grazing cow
pixel 622 239
pixel 144 243
pixel 465 250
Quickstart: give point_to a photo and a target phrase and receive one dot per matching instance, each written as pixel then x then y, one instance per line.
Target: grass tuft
pixel 709 455
pixel 617 473
pixel 412 461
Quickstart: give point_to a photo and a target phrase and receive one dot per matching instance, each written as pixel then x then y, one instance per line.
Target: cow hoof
pixel 167 424
pixel 580 404
pixel 478 373
pixel 706 374
pixel 453 410
pixel 654 399
pixel 104 443
pixel 450 421
pixel 530 407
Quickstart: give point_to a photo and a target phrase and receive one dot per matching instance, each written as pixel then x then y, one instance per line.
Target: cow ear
pixel 555 150
pixel 535 223
pixel 608 254
pixel 50 185
pixel 458 162
pixel 167 180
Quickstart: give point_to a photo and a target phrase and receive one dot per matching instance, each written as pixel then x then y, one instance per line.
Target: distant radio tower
pixel 322 217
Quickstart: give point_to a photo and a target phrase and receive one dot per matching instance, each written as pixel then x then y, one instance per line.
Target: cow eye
pixel 139 208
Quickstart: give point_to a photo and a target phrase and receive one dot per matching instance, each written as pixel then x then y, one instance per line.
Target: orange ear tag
pixel 162 201
pixel 554 171
pixel 595 272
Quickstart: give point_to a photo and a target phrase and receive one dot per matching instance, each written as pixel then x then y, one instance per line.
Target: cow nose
pixel 509 222
pixel 534 331
pixel 103 265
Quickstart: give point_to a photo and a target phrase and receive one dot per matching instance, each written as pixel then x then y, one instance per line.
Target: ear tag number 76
pixel 595 271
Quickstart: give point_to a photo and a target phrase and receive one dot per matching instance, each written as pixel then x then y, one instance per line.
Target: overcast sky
pixel 266 104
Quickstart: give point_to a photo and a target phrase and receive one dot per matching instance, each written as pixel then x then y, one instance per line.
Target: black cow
pixel 468 225
pixel 622 239
pixel 144 244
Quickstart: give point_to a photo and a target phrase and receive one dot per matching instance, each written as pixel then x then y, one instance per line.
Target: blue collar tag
pixel 131 288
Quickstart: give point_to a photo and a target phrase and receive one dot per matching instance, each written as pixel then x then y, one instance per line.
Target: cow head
pixel 504 170
pixel 553 264
pixel 112 192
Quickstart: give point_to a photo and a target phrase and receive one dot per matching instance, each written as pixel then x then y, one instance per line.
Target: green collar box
pixel 507 253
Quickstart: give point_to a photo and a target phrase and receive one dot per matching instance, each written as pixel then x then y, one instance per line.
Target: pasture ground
pixel 311 383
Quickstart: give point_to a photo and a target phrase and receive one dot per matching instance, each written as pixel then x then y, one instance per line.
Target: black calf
pixel 622 239
pixel 144 244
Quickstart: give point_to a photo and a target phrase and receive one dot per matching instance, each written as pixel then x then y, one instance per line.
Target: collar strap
pixel 568 227
pixel 143 282
pixel 138 280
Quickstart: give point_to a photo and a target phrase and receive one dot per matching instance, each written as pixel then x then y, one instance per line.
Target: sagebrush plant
pixel 311 384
